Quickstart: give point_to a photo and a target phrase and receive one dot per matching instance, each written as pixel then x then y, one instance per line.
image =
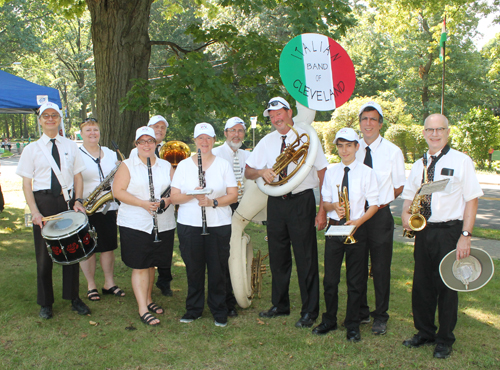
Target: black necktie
pixel 284 172
pixel 157 152
pixel 368 157
pixel 55 187
pixel 426 203
pixel 345 181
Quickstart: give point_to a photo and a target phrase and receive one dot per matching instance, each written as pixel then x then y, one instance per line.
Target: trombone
pixel 344 200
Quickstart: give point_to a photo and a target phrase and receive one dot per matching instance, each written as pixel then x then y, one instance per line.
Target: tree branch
pixel 176 48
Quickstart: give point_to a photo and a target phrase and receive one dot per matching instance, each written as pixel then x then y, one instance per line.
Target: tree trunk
pixel 121 54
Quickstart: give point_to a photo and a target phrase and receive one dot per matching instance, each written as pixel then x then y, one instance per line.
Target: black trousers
pixel 50 205
pixel 291 222
pixel 429 291
pixel 379 241
pixel 355 255
pixel 211 251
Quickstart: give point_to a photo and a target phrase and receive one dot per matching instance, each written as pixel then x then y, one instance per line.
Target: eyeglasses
pixel 439 130
pixel 275 103
pixel 149 141
pixel 90 120
pixel 53 116
pixel 233 130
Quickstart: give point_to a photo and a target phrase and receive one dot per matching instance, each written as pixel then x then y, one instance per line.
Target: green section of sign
pixel 496 155
pixel 292 70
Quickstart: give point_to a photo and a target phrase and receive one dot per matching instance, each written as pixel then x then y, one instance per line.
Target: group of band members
pixel 372 169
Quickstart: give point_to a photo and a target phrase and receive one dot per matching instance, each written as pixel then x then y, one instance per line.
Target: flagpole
pixel 443 53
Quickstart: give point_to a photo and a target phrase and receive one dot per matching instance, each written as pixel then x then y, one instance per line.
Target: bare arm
pixel 463 245
pixel 320 221
pixel 230 198
pixel 36 216
pixel 78 188
pixel 267 174
pixel 360 221
pixel 405 214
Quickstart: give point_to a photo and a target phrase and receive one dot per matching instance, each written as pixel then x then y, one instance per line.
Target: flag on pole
pixel 442 41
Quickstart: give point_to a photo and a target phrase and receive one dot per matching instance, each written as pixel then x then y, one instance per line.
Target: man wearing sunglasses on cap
pixel 291 219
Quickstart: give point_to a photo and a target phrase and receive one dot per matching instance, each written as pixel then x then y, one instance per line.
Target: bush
pixel 476 134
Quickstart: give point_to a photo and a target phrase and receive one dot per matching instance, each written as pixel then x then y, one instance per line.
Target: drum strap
pixel 56 170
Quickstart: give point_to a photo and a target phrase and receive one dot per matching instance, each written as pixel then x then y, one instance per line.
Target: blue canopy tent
pixel 20 96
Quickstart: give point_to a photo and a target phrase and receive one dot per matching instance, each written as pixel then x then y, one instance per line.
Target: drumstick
pixel 51 218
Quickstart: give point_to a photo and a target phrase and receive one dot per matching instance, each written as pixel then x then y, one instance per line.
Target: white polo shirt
pixel 268 149
pixel 449 204
pixel 388 164
pixel 34 165
pixel 362 187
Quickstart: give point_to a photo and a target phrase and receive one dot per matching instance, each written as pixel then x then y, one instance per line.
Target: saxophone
pixel 417 222
pixel 95 200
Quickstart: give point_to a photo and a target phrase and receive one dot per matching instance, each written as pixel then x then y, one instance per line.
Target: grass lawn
pixel 114 338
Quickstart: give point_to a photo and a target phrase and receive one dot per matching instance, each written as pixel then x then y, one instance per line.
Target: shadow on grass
pixel 114 338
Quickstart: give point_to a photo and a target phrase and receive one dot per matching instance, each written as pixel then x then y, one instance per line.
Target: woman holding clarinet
pixel 146 222
pixel 204 186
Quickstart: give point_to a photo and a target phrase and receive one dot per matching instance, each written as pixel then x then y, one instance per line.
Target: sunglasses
pixel 274 103
pixel 90 120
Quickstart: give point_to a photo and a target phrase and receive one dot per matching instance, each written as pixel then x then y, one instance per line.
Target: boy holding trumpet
pixel 348 187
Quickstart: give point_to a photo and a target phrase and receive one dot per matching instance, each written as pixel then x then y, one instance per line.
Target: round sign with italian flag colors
pixel 317 71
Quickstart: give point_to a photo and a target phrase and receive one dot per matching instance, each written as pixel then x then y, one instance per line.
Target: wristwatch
pixel 215 203
pixel 466 233
pixel 79 200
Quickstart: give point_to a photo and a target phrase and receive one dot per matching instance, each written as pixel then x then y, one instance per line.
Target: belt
pixel 333 222
pixel 291 196
pixel 444 224
pixel 48 191
pixel 383 206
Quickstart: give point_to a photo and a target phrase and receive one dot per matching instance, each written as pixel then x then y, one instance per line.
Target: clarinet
pixel 201 178
pixel 153 199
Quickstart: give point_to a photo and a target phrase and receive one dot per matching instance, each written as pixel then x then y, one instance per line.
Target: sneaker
pixel 379 327
pixel 221 323
pixel 365 320
pixel 187 318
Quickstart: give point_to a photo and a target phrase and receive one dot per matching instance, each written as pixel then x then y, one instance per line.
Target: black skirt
pixel 105 226
pixel 139 251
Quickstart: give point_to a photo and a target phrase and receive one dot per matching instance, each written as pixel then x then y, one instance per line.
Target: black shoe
pixel 353 336
pixel 379 327
pixel 165 289
pixel 323 328
pixel 417 341
pixel 80 307
pixel 442 351
pixel 232 312
pixel 306 321
pixel 273 312
pixel 45 312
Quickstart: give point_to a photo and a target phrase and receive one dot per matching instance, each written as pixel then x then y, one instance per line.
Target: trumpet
pixel 344 199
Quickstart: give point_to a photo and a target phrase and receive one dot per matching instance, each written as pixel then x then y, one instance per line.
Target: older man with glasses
pixel 44 196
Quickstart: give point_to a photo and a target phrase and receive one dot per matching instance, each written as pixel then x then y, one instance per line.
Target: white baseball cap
pixel 347 134
pixel 373 105
pixel 204 128
pixel 275 104
pixel 49 105
pixel 144 130
pixel 231 122
pixel 155 119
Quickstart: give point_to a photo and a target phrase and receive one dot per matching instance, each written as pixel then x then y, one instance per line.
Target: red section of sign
pixel 343 75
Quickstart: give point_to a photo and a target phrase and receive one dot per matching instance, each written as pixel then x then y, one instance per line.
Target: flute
pixel 153 199
pixel 201 178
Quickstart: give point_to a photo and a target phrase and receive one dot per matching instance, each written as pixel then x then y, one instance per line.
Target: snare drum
pixel 69 240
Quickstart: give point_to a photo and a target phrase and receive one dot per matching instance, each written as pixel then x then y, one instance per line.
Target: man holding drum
pixel 450 215
pixel 291 219
pixel 44 196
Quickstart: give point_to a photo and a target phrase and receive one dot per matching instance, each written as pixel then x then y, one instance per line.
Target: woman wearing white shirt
pixel 135 219
pixel 212 250
pixel 99 162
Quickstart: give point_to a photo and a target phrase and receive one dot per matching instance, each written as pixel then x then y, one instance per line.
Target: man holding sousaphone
pixel 450 215
pixel 291 218
pixel 49 190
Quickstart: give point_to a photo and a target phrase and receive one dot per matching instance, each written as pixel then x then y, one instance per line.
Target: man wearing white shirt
pixel 44 196
pixel 387 161
pixel 291 219
pixel 234 131
pixel 450 215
